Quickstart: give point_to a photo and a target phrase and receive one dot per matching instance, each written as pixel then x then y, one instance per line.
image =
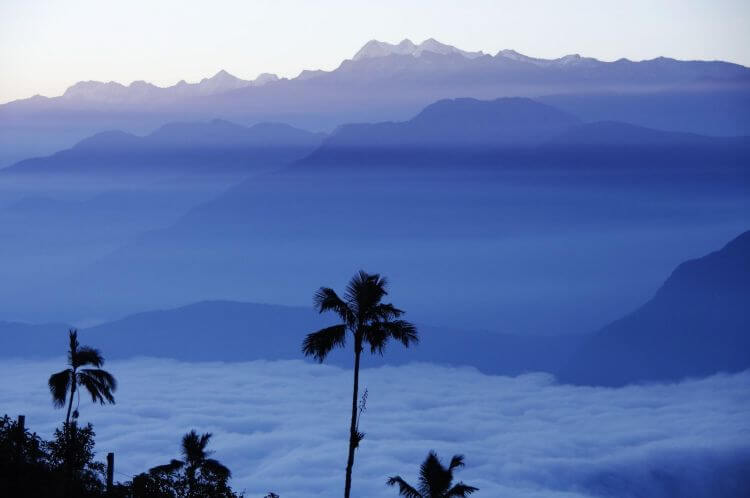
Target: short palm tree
pixel 99 383
pixel 434 480
pixel 370 322
pixel 195 460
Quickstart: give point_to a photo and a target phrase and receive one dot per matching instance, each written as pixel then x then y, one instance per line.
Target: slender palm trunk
pixel 353 428
pixel 69 440
pixel 72 393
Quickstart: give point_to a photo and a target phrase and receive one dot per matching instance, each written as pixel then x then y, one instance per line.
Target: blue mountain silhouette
pixel 697 324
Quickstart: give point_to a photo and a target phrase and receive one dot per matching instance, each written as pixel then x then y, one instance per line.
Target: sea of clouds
pixel 283 426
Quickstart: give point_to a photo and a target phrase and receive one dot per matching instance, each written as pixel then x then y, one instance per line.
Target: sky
pixel 523 436
pixel 49 45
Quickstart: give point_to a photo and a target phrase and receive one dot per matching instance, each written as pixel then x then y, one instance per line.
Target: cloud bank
pixel 282 426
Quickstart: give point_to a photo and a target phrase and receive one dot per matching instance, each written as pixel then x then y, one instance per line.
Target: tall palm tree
pixel 370 322
pixel 434 480
pixel 99 383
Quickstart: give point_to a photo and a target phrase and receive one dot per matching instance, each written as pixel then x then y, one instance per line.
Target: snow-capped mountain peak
pixel 375 48
pixel 567 60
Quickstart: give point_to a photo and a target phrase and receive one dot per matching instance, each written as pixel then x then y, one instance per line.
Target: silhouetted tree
pixel 196 460
pixel 195 475
pixel 24 465
pixel 99 383
pixel 163 481
pixel 370 321
pixel 61 468
pixel 71 455
pixel 434 480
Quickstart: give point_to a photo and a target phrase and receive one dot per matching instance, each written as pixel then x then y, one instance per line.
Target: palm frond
pixel 319 344
pixel 203 441
pixel 87 356
pixel 326 299
pixel 377 334
pixel 404 489
pixel 376 337
pixel 456 462
pixel 99 383
pixel 386 311
pixel 59 385
pixel 460 490
pixel 92 386
pixel 401 330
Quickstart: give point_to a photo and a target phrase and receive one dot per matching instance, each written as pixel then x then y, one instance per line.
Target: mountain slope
pixel 698 323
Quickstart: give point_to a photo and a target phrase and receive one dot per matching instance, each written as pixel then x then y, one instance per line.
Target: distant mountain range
pixel 113 93
pixel 463 122
pixel 698 323
pixel 515 132
pixel 213 148
pixel 508 65
pixel 392 82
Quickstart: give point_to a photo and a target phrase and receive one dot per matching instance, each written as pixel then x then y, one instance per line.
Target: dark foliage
pixel 196 475
pixel 24 466
pixel 62 467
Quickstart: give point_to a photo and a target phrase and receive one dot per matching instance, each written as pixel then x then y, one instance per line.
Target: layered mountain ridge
pixel 186 147
pixel 385 82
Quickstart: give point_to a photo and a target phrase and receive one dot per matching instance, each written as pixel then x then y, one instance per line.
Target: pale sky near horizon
pixel 48 45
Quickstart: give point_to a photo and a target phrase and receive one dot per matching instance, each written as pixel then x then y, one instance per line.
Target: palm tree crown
pixel 99 383
pixel 435 480
pixel 196 457
pixel 363 314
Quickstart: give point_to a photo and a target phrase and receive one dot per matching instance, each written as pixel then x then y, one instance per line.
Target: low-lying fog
pixel 282 426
